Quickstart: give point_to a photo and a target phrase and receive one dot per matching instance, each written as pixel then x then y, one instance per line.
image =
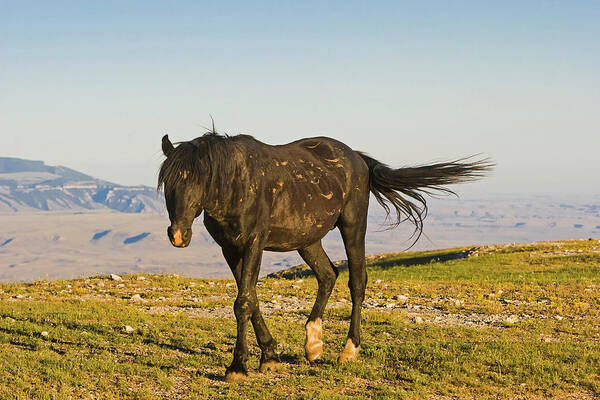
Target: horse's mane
pixel 209 158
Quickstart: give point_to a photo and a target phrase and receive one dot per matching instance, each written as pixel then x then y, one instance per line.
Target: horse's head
pixel 182 178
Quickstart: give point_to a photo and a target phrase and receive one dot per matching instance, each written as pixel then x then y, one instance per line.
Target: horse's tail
pixel 404 188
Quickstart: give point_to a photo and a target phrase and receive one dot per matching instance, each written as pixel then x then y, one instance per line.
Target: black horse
pixel 259 197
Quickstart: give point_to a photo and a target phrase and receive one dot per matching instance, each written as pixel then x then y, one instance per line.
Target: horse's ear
pixel 167 146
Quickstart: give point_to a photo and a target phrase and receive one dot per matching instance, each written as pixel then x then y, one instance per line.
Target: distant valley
pixel 57 223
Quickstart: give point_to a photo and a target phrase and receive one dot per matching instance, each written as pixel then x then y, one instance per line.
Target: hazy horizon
pixel 94 86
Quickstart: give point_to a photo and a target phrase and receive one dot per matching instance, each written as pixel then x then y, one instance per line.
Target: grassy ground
pixel 518 321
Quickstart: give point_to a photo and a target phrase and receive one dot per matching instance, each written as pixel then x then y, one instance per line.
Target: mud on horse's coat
pixel 259 197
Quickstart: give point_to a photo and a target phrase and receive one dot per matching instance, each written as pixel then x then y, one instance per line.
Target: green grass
pixel 183 334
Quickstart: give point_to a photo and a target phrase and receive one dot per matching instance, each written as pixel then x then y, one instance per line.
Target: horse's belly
pixel 288 238
pixel 303 213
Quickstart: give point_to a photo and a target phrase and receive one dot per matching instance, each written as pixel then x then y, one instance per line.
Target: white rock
pixel 121 285
pixel 141 278
pixel 558 317
pixel 44 334
pixel 136 297
pixel 128 329
pixel 512 319
pixel 378 281
pixel 418 320
pixel 401 297
pixel 115 277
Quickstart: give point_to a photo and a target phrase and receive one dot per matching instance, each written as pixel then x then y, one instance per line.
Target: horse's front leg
pixel 269 360
pixel 245 307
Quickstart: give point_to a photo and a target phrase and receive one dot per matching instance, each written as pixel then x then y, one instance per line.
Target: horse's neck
pixel 224 196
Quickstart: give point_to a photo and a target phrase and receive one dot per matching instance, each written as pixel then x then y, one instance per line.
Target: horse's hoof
pixel 270 366
pixel 235 377
pixel 313 346
pixel 350 352
pixel 312 351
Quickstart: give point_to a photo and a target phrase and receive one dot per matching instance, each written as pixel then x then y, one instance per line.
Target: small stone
pixel 391 305
pixel 141 278
pixel 418 320
pixel 175 276
pixel 19 296
pixel 121 285
pixel 500 291
pixel 378 281
pixel 100 284
pixel 136 297
pixel 44 334
pixel 401 297
pixel 230 284
pixel 558 317
pixel 295 287
pixel 512 319
pixel 128 329
pixel 115 277
pixel 211 283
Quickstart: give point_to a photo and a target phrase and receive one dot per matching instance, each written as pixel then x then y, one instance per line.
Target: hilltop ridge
pixel 31 185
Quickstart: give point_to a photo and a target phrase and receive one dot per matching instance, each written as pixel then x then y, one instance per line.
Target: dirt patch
pixel 297 310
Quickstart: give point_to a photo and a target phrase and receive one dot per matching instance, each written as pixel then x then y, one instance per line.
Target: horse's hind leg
pixel 326 274
pixel 353 226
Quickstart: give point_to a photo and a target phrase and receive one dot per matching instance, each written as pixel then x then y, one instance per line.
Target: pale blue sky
pixel 94 85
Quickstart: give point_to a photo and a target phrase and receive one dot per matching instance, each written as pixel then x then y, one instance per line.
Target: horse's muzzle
pixel 179 237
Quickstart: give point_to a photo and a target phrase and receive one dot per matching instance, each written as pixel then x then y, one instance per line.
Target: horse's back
pixel 312 179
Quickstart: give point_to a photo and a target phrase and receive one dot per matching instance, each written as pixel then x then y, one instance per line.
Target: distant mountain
pixel 27 185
